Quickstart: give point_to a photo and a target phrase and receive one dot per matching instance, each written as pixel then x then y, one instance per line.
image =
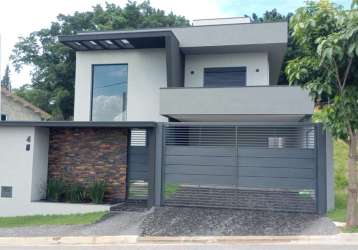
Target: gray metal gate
pixel 265 167
pixel 137 178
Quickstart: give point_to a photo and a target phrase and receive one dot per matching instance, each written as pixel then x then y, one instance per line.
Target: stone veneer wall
pixel 83 155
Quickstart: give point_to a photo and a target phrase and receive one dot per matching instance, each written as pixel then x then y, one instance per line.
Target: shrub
pixel 75 193
pixel 55 190
pixel 96 192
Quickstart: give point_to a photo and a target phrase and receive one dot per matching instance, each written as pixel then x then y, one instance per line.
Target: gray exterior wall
pixel 180 103
pixel 16 111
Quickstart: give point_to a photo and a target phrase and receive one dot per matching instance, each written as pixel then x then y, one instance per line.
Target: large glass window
pixel 225 77
pixel 109 92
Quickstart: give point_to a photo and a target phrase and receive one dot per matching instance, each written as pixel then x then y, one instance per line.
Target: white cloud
pixel 108 108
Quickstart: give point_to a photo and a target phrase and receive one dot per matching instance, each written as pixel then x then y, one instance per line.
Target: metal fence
pixel 247 166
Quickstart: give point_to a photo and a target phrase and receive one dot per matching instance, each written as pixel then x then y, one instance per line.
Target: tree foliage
pixel 327 66
pixel 292 49
pixel 53 73
pixel 6 81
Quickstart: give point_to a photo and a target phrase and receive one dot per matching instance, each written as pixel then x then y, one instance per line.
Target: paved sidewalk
pixel 332 240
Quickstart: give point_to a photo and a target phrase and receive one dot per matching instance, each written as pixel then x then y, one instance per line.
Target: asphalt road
pixel 193 247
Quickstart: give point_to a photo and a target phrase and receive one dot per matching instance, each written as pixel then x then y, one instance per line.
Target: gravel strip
pixel 179 221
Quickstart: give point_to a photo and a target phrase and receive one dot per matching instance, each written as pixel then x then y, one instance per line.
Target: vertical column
pixel 151 133
pixel 321 176
pixel 158 166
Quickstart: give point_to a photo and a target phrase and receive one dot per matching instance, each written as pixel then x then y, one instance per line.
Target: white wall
pixel 146 75
pixel 252 61
pixel 40 164
pixel 16 163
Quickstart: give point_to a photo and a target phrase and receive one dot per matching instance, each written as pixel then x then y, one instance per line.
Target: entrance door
pixel 137 180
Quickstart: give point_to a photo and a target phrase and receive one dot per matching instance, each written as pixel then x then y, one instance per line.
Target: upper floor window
pixel 225 77
pixel 109 92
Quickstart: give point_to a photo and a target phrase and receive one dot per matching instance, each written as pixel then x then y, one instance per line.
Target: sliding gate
pixel 264 167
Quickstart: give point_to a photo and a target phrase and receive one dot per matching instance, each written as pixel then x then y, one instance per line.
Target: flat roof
pixel 188 36
pixel 270 38
pixel 78 124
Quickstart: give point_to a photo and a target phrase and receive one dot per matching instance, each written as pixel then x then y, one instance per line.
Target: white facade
pixel 256 64
pixel 147 73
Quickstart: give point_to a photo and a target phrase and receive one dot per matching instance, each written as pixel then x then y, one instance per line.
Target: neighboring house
pixel 15 108
pixel 189 116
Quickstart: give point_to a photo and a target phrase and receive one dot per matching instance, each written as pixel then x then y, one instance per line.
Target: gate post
pixel 158 166
pixel 321 176
pixel 151 132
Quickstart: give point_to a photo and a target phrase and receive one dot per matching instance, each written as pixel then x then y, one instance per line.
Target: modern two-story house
pixel 188 116
pixel 223 70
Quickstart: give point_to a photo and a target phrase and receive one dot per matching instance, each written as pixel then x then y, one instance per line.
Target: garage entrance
pixel 249 166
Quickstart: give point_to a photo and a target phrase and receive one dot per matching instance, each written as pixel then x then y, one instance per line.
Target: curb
pixel 341 239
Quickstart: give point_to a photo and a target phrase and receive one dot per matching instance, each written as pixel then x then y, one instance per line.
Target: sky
pixel 20 17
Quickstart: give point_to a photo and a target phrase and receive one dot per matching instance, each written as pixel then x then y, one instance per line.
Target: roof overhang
pixel 116 41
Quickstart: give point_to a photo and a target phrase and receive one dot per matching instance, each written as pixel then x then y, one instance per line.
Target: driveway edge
pixel 342 239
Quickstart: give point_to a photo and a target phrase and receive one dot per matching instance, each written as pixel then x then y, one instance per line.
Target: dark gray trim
pixel 151 139
pixel 138 40
pixel 158 167
pixel 230 124
pixel 79 124
pixel 114 35
pixel 175 62
pixel 321 193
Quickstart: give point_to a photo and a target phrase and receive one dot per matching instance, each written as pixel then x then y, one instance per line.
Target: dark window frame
pixel 92 83
pixel 208 70
pixel 6 192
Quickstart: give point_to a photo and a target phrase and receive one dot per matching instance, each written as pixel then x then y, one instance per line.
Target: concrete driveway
pixel 176 221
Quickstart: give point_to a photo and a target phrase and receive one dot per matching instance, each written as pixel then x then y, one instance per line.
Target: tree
pixel 6 82
pixel 292 49
pixel 328 38
pixel 54 64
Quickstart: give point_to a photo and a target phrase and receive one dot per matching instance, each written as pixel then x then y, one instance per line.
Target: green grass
pixel 340 164
pixel 340 158
pixel 73 219
pixel 339 213
pixel 170 190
